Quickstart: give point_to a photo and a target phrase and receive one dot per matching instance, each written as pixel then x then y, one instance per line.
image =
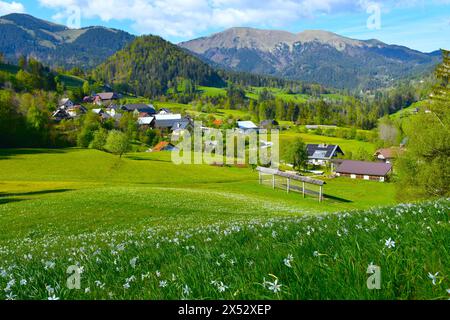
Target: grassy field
pixel 144 228
pixel 407 112
pixel 70 81
pixel 346 145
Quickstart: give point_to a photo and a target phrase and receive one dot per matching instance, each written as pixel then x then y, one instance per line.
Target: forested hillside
pixel 56 45
pixel 149 66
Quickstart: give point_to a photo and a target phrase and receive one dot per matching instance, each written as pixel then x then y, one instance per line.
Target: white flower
pixel 23 282
pixel 389 243
pixel 274 234
pixel 87 290
pixel 158 274
pixel 163 283
pixel 221 287
pixel 316 253
pixel 287 261
pixel 433 277
pixel 186 290
pixel 49 289
pixel 10 296
pixel 126 285
pixel 274 286
pixel 53 297
pixel 133 262
pixel 10 284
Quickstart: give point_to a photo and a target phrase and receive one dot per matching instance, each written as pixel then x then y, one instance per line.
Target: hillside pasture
pixel 144 228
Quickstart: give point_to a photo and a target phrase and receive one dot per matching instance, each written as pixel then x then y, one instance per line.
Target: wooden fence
pixel 290 179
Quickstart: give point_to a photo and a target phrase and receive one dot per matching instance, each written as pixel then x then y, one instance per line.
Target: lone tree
pixel 117 142
pixel 2 57
pixel 297 154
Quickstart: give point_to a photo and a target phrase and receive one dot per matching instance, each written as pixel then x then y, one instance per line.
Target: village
pixel 323 159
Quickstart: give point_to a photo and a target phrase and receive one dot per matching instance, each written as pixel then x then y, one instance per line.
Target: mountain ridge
pixel 57 45
pixel 312 56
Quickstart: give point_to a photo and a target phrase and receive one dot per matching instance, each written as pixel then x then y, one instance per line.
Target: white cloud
pixel 11 7
pixel 187 18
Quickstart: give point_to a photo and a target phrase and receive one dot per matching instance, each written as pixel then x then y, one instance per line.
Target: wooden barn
pixel 375 171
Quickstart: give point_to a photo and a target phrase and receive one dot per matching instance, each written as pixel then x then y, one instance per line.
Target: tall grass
pixel 308 257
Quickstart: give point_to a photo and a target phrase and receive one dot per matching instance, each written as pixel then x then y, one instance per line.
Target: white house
pixel 66 103
pixel 246 126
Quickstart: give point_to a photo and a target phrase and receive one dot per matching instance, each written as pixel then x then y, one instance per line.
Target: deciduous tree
pixel 117 142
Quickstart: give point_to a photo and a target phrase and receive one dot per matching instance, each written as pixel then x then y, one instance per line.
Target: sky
pixel 419 24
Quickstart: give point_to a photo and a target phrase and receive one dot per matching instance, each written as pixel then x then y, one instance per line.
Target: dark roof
pixel 268 123
pixel 60 113
pixel 167 121
pixel 113 107
pixel 107 95
pixel 364 168
pixel 141 107
pixel 323 151
pixel 182 124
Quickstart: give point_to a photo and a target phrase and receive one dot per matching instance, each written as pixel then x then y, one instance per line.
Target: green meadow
pixel 346 144
pixel 141 227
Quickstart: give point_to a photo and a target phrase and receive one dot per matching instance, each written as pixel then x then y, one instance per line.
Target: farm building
pixel 60 114
pixel 76 110
pixel 268 124
pixel 166 121
pixel 146 122
pixel 322 154
pixel 164 111
pixel 376 171
pixel 388 155
pixel 65 103
pixel 179 128
pixel 105 98
pixel 246 126
pixel 140 109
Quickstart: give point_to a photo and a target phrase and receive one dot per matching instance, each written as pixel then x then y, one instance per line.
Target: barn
pixel 375 171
